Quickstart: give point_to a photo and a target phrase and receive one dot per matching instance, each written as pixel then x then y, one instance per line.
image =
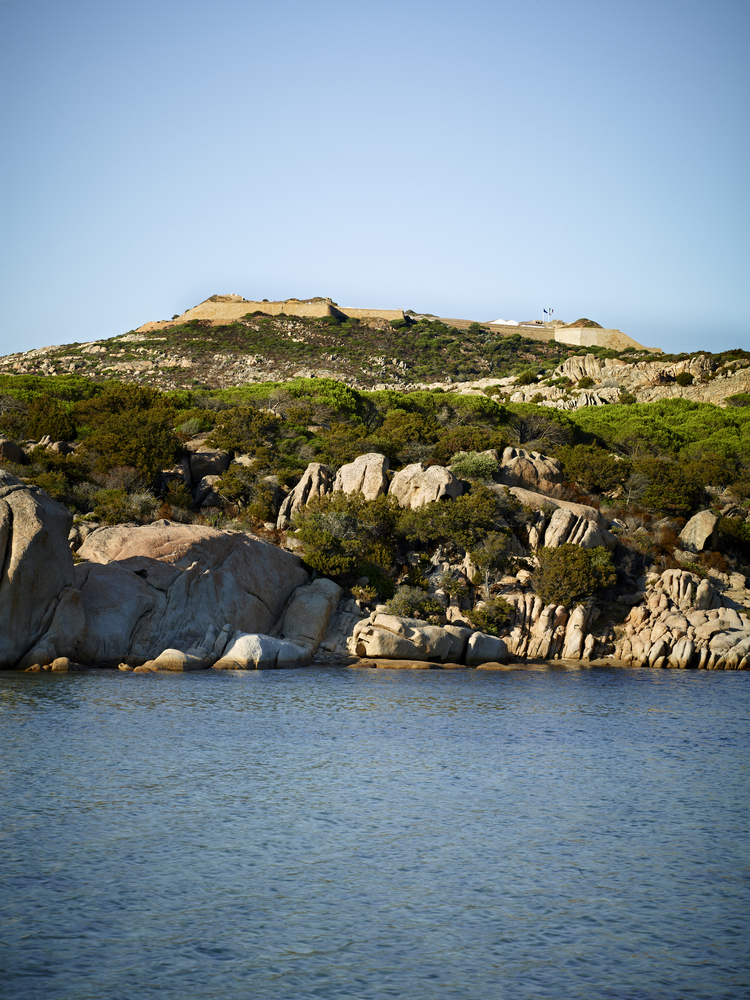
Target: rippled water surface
pixel 365 834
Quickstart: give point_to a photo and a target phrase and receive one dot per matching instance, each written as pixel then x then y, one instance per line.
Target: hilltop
pixel 228 341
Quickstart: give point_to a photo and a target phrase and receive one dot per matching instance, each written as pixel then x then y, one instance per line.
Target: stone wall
pixel 592 336
pixel 575 336
pixel 222 309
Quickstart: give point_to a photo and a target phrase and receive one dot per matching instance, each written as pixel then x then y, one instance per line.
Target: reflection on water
pixel 366 834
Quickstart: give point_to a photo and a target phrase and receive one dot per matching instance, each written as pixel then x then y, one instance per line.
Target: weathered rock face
pixel 146 589
pixel 316 481
pixel 261 652
pixel 11 452
pixel 207 462
pixel 392 637
pixel 697 533
pixel 417 484
pixel 482 648
pixel 559 522
pixel 204 494
pixel 565 528
pixel 309 612
pixel 366 475
pixel 685 622
pixel 39 607
pixel 530 470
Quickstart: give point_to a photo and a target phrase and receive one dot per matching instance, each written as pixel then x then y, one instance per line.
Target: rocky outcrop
pixel 11 452
pixel 685 622
pixel 565 528
pixel 160 586
pixel 316 481
pixel 207 462
pixel 418 484
pixel 558 522
pixel 530 470
pixel 698 532
pixel 261 652
pixel 309 612
pixel 40 612
pixel 391 637
pixel 204 494
pixel 366 475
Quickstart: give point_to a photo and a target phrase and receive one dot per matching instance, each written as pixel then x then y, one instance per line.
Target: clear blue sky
pixel 474 159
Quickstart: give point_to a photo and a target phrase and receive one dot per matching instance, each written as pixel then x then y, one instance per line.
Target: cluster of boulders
pixel 413 486
pixel 139 591
pixel 535 631
pixel 685 622
pixel 647 380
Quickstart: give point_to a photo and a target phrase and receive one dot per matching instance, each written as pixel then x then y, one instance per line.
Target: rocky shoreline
pixel 179 597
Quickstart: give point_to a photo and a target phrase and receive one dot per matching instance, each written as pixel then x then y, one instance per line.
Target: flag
pixel 545 311
pixel 551 311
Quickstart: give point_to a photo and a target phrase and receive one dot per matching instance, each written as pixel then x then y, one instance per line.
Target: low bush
pixel 490 616
pixel 592 468
pixel 569 575
pixel 474 465
pixel 412 602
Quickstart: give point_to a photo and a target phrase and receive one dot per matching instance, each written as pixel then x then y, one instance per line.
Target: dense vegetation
pixel 648 465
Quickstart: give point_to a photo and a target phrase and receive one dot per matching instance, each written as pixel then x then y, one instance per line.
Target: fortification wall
pixel 387 314
pixel 219 310
pixel 592 336
pixel 223 309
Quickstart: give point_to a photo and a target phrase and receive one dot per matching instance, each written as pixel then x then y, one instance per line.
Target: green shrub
pixel 244 429
pixel 594 469
pixel 491 616
pixel 412 602
pixel 526 377
pixel 178 495
pixel 684 379
pixel 241 485
pixel 672 489
pixel 383 585
pixel 116 505
pixel 586 382
pixel 490 557
pixel 468 439
pixel 52 417
pixel 452 583
pixel 464 521
pixel 738 399
pixel 569 574
pixel 143 439
pixel 474 465
pixel 733 535
pixel 340 530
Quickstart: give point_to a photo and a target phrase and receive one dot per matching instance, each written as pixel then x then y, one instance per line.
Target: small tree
pixel 569 575
pixel 490 558
pixel 474 465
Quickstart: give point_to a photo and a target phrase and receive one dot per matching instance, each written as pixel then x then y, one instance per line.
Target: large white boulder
pixel 39 607
pixel 698 532
pixel 161 586
pixel 309 611
pixel 393 637
pixel 483 648
pixel 261 652
pixel 366 475
pixel 418 484
pixel 566 528
pixel 316 481
pixel 530 470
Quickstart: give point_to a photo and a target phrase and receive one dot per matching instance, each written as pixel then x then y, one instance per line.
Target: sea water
pixel 337 833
